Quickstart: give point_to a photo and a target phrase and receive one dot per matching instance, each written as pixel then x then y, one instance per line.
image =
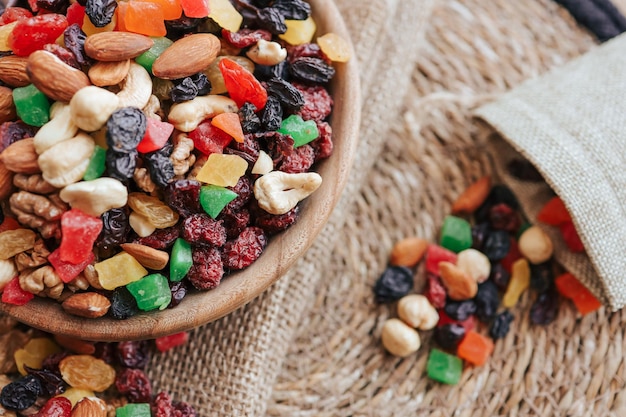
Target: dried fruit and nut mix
pixel 148 148
pixel 486 258
pixel 57 376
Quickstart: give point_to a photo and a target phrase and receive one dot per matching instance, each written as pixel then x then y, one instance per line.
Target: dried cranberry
pixel 106 351
pixel 134 384
pixel 277 145
pixel 234 221
pixel 182 409
pixel 245 249
pixel 162 405
pixel 133 354
pixel 200 229
pixel 183 196
pixel 323 145
pixel 207 269
pixel 51 362
pixel 55 6
pixel 272 223
pixel 245 37
pixel 160 239
pixel 317 102
pixel 298 160
pixel 435 292
pixel 394 283
pixel 11 132
pixel 503 217
pixel 248 149
pixel 243 188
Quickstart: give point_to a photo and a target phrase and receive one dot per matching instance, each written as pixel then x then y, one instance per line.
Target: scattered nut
pixel 33 258
pixel 116 46
pixel 9 343
pixel 535 245
pixel 44 282
pixel 416 311
pixel 16 241
pixel 153 108
pixel 278 192
pixel 400 339
pixel 92 106
pixel 60 127
pixel 182 156
pixel 143 180
pixel 66 162
pixel 147 256
pixel 187 56
pixel 13 71
pixel 95 197
pixel 137 88
pixel 104 74
pixel 38 212
pixel 475 264
pixel 459 284
pixel 187 116
pixel 33 184
pixel 21 157
pixel 267 53
pixel 54 77
pixel 6 178
pixel 408 252
pixel 87 304
pixel 263 165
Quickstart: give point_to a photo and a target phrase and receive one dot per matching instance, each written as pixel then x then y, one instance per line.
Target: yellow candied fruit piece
pixel 222 170
pixel 225 15
pixel 5 31
pixel 76 394
pixel 520 281
pixel 299 31
pixel 119 270
pixel 90 29
pixel 34 352
pixel 335 47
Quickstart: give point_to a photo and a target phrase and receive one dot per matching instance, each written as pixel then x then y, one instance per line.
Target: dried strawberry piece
pixel 317 102
pixel 207 269
pixel 272 223
pixel 298 160
pixel 32 34
pixel 14 14
pixel 134 384
pixel 323 145
pixel 245 249
pixel 245 37
pixel 200 229
pixel 435 292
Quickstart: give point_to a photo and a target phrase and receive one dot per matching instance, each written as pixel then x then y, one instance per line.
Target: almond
pixel 116 46
pixel 187 56
pixel 6 181
pixel 13 71
pixel 104 74
pixel 473 196
pixel 460 285
pixel 90 407
pixel 147 256
pixel 21 157
pixel 87 304
pixel 408 252
pixel 54 77
pixel 7 108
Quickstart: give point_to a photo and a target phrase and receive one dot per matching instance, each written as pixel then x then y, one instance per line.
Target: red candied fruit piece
pixel 468 324
pixel 14 14
pixel 166 343
pixel 436 254
pixel 245 249
pixel 241 84
pixel 323 145
pixel 75 15
pixel 554 212
pixel 32 34
pixel 245 37
pixel 571 237
pixel 317 102
pixel 156 136
pixel 513 255
pixel 79 231
pixel 435 292
pixel 14 294
pixel 195 8
pixel 9 223
pixel 298 160
pixel 570 287
pixel 56 407
pixel 67 271
pixel 207 269
pixel 209 139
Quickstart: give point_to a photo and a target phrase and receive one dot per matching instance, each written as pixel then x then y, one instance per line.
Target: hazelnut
pixel 416 311
pixel 475 264
pixel 400 339
pixel 535 245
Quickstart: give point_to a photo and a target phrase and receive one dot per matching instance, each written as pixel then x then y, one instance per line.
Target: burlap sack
pixel 571 124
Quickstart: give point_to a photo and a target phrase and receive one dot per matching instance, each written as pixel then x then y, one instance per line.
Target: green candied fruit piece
pixel 147 59
pixel 151 292
pixel 214 198
pixel 302 132
pixel 443 367
pixel 97 164
pixel 181 260
pixel 32 105
pixel 133 410
pixel 456 234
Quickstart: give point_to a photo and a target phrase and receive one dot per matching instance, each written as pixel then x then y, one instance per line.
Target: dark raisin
pixel 160 239
pixel 235 222
pixel 245 37
pixel 123 304
pixel 133 354
pixel 271 20
pixel 200 229
pixel 125 129
pixel 498 194
pixel 289 96
pixel 183 90
pixel 311 70
pixel 121 165
pixel 293 9
pixel 272 114
pixel 500 276
pixel 179 291
pixel 202 83
pixel 523 170
pixel 160 165
pixel 274 223
pixel 51 362
pixel 323 145
pixel 545 308
pixel 51 383
pixel 501 325
pixel 100 12
pixel 115 228
pixel 317 102
pixel 541 276
pixel 74 39
pixel 267 72
pixel 245 249
pixel 63 54
pixel 503 217
pixel 11 132
pixel 21 394
pixel 479 235
pixel 1 216
pixel 243 189
pixel 435 291
pixel 207 269
pixel 299 160
pixel 449 336
pixel 134 384
pixel 162 405
pixel 179 27
pixel 183 196
pixel 497 245
pixel 487 301
pixel 460 310
pixel 56 6
pixel 248 150
pixel 250 122
pixel 394 283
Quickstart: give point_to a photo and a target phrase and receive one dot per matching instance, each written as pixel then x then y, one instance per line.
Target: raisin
pixel 248 150
pixel 125 129
pixel 311 70
pixel 207 269
pixel 235 221
pixel 161 238
pixel 500 276
pixel 267 72
pixel 501 325
pixel 123 304
pixel 55 6
pixel 435 291
pixel 243 189
pixel 74 39
pixel 293 9
pixel 100 12
pixel 503 217
pixel 245 37
pixel 184 90
pixel 11 132
pixel 133 354
pixel 523 170
pixel 460 310
pixel 179 291
pixel 160 165
pixel 306 50
pixel 541 276
pixel 272 20
pixel 245 249
pixel 121 165
pixel 250 122
pixel 177 28
pixel 449 336
pixel 317 102
pixel 299 160
pixel 21 394
pixel 202 83
pixel 289 96
pixel 200 229
pixel 51 362
pixel 487 301
pixel 63 54
pixel 183 196
pixel 272 223
pixel 498 194
pixel 134 384
pixel 51 383
pixel 479 235
pixel 277 145
pixel 497 245
pixel 323 145
pixel 162 405
pixel 115 228
pixel 394 283
pixel 545 308
pixel 272 114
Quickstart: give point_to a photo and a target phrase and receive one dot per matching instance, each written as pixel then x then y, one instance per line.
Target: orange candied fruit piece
pixel 145 18
pixel 171 8
pixel 229 123
pixel 554 212
pixel 120 14
pixel 570 287
pixel 475 348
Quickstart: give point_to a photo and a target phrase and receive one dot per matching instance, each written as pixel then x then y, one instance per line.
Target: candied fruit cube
pixel 225 15
pixel 5 32
pixel 436 254
pixel 97 164
pixel 554 212
pixel 119 270
pixel 151 292
pixel 67 271
pixel 145 18
pixel 14 294
pixel 456 234
pixel 570 287
pixel 214 198
pixel 32 105
pixel 475 348
pixel 80 231
pixel 299 31
pixel 156 136
pixel 222 170
pixel 230 123
pixel 181 260
pixel 133 410
pixel 147 59
pixel 195 8
pixel 30 35
pixel 171 9
pixel 166 343
pixel 300 131
pixel 443 367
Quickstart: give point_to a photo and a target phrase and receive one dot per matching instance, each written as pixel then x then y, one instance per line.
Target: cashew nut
pixel 267 53
pixel 263 165
pixel 187 116
pixel 153 108
pixel 92 106
pixel 8 271
pixel 400 339
pixel 60 127
pixel 95 197
pixel 140 224
pixel 66 162
pixel 416 311
pixel 137 88
pixel 278 192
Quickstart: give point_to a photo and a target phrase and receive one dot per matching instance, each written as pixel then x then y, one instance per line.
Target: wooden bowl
pixel 282 252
